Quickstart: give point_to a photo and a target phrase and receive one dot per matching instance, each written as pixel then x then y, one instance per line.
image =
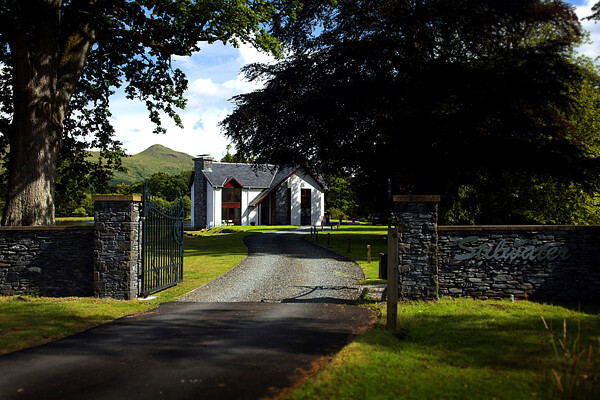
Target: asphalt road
pixel 191 350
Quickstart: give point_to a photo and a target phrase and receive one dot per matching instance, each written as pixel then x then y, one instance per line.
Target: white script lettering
pixel 520 249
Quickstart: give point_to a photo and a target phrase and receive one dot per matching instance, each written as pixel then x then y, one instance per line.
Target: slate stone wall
pixel 200 192
pixel 551 263
pixel 117 252
pixel 417 244
pixel 538 262
pixel 47 261
pixel 283 205
pixel 102 260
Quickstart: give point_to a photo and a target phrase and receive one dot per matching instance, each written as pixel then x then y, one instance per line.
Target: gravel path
pixel 284 267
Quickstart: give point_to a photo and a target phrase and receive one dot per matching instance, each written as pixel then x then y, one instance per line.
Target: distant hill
pixel 154 159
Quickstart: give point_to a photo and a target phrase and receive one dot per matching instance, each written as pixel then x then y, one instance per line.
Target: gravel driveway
pixel 284 267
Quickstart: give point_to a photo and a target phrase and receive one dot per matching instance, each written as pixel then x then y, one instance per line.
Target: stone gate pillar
pixel 417 246
pixel 118 246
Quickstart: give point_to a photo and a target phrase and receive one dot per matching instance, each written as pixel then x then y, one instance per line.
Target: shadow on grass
pixel 495 335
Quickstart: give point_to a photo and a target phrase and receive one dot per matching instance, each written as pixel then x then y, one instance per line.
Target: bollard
pixel 349 245
pixel 368 254
pixel 311 231
pixel 316 235
pixel 328 238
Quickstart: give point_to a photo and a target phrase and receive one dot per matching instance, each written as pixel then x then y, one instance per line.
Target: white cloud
pixel 214 77
pixel 200 135
pixel 585 10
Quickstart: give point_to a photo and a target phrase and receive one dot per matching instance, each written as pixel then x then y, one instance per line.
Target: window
pixel 231 216
pixel 231 199
pixel 232 195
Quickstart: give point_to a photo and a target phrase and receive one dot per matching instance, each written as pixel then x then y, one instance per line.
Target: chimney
pixel 206 162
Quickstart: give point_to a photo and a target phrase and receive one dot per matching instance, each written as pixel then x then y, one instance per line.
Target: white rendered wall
pixel 298 181
pixel 210 207
pixel 217 204
pixel 249 214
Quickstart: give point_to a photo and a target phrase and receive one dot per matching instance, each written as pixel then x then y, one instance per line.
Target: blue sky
pixel 214 77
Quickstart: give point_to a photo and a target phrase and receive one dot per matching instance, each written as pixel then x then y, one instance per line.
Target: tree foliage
pixel 469 99
pixel 61 60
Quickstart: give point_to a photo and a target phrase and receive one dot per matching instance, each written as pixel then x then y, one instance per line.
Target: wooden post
pixel 328 238
pixel 392 279
pixel 349 243
pixel 316 235
pixel 368 254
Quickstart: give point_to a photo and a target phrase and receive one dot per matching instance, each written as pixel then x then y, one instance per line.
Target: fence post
pixel 328 238
pixel 392 279
pixel 368 254
pixel 349 245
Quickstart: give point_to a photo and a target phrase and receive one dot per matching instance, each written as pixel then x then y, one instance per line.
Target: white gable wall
pixel 298 181
pixel 210 206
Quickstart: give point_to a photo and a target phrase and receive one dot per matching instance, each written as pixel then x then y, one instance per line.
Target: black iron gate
pixel 162 236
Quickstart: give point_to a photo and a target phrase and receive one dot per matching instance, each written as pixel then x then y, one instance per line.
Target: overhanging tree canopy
pixel 60 60
pixel 437 94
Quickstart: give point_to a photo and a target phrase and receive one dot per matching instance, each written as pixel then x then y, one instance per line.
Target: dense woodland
pixel 485 103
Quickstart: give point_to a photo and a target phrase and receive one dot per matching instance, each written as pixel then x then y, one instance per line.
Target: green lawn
pixel 464 349
pixel 360 236
pixel 27 321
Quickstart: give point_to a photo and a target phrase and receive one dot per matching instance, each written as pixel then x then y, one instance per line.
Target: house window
pixel 231 215
pixel 305 207
pixel 231 211
pixel 232 194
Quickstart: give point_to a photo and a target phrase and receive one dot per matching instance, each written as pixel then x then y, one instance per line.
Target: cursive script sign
pixel 518 250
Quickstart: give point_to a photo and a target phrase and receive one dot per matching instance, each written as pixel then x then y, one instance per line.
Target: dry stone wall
pixel 539 262
pixel 53 261
pixel 102 260
pixel 550 263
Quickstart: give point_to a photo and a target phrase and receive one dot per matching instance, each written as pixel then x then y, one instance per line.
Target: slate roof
pixel 248 175
pixel 266 177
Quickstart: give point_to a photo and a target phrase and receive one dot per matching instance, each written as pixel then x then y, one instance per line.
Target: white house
pixel 251 194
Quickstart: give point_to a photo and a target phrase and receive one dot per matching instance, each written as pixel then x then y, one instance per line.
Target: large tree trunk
pixel 45 73
pixel 34 148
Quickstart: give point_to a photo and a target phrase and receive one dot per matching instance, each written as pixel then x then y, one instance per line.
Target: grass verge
pixel 27 321
pixel 462 349
pixel 359 236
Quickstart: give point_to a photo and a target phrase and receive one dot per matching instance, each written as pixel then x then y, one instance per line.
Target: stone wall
pixel 418 265
pixel 46 261
pixel 283 205
pixel 102 260
pixel 553 263
pixel 117 251
pixel 538 262
pixel 200 192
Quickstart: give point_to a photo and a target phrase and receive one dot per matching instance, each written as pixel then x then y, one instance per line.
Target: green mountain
pixel 154 159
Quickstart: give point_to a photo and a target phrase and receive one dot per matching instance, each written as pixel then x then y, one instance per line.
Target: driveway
pixel 283 267
pixel 217 349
